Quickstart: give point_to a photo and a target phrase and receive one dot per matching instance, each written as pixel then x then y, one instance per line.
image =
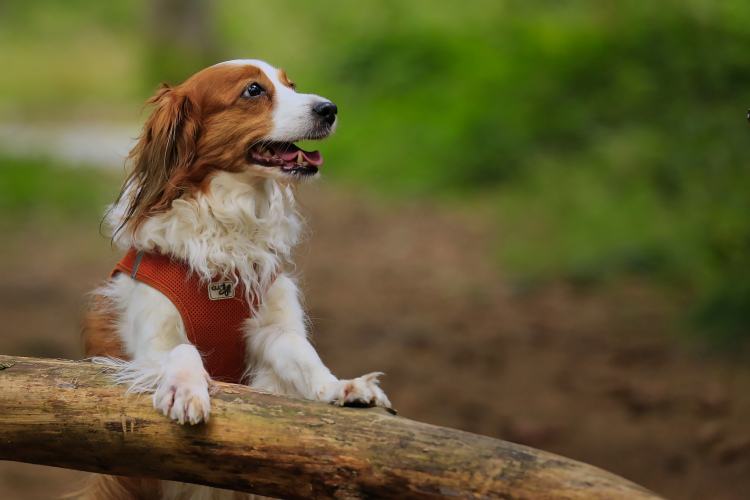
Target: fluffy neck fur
pixel 241 228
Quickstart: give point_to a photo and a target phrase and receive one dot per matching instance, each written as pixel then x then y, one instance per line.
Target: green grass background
pixel 607 138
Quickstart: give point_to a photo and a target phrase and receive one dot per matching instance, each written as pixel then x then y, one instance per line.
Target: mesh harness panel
pixel 213 326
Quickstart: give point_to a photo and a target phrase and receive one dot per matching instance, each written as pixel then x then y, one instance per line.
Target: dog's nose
pixel 327 110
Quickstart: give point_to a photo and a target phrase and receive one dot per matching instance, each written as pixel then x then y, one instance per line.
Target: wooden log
pixel 69 414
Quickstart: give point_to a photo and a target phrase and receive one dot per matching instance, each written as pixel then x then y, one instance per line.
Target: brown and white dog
pixel 212 187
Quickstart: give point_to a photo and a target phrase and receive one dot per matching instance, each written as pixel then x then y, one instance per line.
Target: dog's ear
pixel 164 153
pixel 170 135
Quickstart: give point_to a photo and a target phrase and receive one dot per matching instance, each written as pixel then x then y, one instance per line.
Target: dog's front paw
pixel 185 399
pixel 361 391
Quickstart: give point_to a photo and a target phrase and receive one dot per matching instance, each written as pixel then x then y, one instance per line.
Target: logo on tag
pixel 221 290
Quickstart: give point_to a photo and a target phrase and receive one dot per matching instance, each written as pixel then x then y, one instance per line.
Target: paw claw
pixel 185 400
pixel 361 391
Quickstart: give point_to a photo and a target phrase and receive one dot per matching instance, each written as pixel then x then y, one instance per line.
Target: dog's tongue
pixel 289 152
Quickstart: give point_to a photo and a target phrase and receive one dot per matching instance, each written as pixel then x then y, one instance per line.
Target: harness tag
pixel 220 290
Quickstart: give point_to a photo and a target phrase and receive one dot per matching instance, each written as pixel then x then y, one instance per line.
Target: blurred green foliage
pixel 33 190
pixel 607 136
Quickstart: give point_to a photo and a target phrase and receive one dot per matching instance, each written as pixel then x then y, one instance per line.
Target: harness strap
pixel 137 264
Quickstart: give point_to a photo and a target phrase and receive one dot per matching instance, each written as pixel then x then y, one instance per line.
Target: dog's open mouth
pixel 287 156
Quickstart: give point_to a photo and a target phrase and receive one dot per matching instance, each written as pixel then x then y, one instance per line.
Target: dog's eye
pixel 253 90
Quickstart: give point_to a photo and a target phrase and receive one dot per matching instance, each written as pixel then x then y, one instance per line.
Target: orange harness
pixel 213 314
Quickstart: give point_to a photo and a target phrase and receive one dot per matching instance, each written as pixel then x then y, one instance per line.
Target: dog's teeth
pixel 266 153
pixel 300 158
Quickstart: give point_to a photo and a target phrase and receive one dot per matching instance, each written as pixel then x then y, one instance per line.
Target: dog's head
pixel 237 116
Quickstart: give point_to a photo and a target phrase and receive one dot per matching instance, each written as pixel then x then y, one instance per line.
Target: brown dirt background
pixel 595 374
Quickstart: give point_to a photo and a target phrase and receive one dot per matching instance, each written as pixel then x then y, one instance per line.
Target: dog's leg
pixel 282 359
pixel 162 359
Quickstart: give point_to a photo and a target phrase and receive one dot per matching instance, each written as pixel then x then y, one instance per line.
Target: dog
pixel 208 220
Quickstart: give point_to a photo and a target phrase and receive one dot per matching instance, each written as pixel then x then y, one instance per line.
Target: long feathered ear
pixel 164 152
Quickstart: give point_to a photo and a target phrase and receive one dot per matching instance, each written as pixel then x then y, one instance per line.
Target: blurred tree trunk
pixel 180 39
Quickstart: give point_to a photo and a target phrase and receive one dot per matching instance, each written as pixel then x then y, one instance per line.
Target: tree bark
pixel 69 414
